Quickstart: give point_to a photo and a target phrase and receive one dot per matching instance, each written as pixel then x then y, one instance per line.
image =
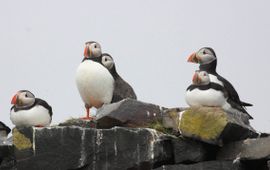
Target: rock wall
pixel 150 137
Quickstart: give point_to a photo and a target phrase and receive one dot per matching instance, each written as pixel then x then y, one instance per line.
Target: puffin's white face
pixel 107 61
pixel 201 78
pixel 23 98
pixel 203 56
pixel 92 49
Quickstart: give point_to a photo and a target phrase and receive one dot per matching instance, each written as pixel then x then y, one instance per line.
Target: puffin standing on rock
pixel 207 59
pixel 97 80
pixel 29 111
pixel 202 92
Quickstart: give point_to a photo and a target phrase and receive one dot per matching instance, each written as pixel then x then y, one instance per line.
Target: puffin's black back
pixel 122 90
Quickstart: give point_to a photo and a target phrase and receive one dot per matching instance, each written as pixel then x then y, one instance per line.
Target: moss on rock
pixel 205 123
pixel 21 141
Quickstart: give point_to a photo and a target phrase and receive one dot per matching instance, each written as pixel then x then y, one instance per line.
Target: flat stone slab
pixel 214 126
pixel 128 113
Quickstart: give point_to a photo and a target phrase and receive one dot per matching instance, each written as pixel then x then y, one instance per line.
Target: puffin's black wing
pixel 239 107
pixel 44 104
pixel 232 92
pixel 122 90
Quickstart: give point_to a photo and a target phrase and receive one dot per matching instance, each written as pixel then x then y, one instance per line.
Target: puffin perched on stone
pixel 203 92
pixel 97 80
pixel 4 131
pixel 30 111
pixel 207 59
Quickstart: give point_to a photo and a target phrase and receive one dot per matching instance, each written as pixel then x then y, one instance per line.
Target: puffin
pixel 27 110
pixel 98 81
pixel 92 49
pixel 207 59
pixel 4 130
pixel 122 89
pixel 203 92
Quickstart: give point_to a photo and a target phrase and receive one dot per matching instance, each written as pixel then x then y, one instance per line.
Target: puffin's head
pixel 201 78
pixel 205 55
pixel 107 61
pixel 23 98
pixel 92 49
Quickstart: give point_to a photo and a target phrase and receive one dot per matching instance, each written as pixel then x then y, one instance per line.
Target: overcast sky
pixel 42 42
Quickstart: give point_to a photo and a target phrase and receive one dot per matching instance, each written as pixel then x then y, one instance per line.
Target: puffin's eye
pixel 106 59
pixel 26 95
pixel 95 46
pixel 204 52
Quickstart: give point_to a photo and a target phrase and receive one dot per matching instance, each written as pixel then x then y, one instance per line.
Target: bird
pixel 207 59
pixel 122 89
pixel 4 130
pixel 92 49
pixel 203 92
pixel 99 83
pixel 27 110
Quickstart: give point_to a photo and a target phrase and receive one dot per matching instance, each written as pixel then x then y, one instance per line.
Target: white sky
pixel 41 46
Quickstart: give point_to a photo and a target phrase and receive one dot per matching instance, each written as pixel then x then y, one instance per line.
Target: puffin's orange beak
pixel 86 52
pixel 196 79
pixel 14 99
pixel 194 58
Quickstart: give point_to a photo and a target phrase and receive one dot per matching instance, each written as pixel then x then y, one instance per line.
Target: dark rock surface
pixel 128 113
pixel 76 147
pixel 249 149
pixel 186 150
pixel 7 159
pixel 210 165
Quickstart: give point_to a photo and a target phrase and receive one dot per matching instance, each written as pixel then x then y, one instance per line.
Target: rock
pixel 209 165
pixel 214 126
pixel 137 114
pixel 79 122
pixel 75 147
pixel 249 149
pixel 7 159
pixel 128 113
pixel 186 150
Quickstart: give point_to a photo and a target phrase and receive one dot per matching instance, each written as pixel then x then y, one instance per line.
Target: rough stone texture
pixel 213 125
pixel 7 160
pixel 186 150
pixel 128 113
pixel 209 165
pixel 79 122
pixel 249 149
pixel 76 147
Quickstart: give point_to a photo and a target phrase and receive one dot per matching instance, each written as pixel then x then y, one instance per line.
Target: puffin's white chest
pixel 209 97
pixel 214 79
pixel 94 82
pixel 37 115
